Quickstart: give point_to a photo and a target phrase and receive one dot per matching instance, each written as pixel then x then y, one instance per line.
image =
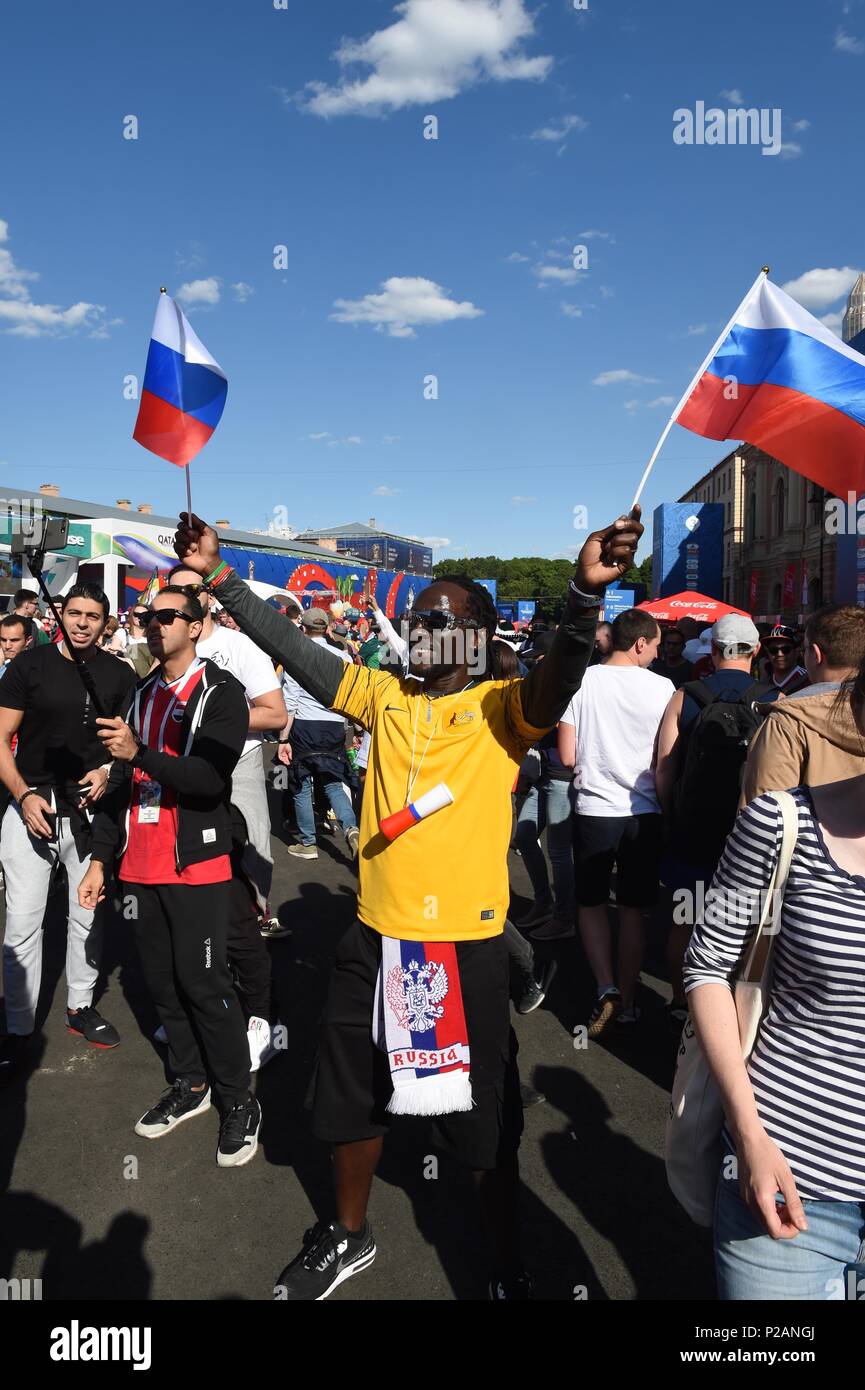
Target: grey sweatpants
pixel 27 863
pixel 249 795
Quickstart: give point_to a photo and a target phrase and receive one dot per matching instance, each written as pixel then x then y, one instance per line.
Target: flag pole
pixel 163 290
pixel 672 420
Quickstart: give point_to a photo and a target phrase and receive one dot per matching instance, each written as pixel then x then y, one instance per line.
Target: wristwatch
pixel 585 600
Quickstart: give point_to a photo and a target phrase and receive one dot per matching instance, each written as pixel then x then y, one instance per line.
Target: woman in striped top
pixel 790 1210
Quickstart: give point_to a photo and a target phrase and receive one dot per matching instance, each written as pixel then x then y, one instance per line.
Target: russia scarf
pixel 419 1021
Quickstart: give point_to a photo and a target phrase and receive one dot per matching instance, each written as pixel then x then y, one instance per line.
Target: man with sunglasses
pixel 443 882
pixel 251 858
pixel 785 675
pixel 166 819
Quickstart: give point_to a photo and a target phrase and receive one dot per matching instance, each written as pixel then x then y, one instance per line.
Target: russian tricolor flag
pixel 184 389
pixel 782 380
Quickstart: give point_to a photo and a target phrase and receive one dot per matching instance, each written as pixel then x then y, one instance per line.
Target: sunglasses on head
pixel 193 589
pixel 165 616
pixel 436 620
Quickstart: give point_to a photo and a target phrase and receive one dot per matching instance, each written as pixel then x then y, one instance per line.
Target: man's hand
pixel 608 553
pixel 91 889
pixel 283 753
pixel 118 739
pixel 33 815
pixel 97 780
pixel 196 544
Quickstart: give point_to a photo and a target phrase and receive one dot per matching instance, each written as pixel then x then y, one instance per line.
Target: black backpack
pixel 706 795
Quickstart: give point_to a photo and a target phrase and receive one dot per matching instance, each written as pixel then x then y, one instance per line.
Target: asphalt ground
pixel 98 1213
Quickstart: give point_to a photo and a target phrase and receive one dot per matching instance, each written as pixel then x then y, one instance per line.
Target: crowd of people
pixel 132 752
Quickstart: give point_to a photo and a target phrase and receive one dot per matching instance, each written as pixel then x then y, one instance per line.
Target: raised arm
pixel 312 665
pixel 605 557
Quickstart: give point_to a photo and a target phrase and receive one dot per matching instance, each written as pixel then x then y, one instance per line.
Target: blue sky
pixel 407 257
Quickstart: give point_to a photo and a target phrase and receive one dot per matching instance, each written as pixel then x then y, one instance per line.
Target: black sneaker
pixel 517 1288
pixel 238 1134
pixel 272 929
pixel 535 991
pixel 92 1026
pixel 330 1255
pixel 175 1105
pixel 13 1053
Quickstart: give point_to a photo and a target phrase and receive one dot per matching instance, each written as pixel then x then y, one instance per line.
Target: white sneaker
pixel 261 1049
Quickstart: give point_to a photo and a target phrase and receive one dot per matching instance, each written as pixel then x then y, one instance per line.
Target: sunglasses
pixel 165 617
pixel 435 621
pixel 193 589
pixel 785 648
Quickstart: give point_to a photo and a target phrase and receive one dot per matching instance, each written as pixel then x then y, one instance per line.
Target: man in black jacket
pixel 444 883
pixel 166 817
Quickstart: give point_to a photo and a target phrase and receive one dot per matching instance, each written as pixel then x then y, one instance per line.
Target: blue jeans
pixel 548 805
pixel 303 808
pixel 812 1267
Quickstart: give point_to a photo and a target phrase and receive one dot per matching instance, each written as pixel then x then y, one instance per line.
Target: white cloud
pixel 789 149
pixel 437 542
pixel 435 50
pixel 801 125
pixel 619 376
pixel 322 434
pixel 607 293
pixel 385 491
pixel 630 406
pixel 21 317
pixel 404 303
pixel 571 311
pixel 594 235
pixel 353 439
pixel 518 501
pixel 389 438
pixel 696 329
pixel 197 292
pixel 514 257
pixel 561 274
pixel 242 291
pixel 834 320
pixel 848 43
pixel 560 130
pixel 817 289
pixel 733 95
pixel 661 400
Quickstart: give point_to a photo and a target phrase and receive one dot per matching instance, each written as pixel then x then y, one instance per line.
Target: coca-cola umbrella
pixel 689 604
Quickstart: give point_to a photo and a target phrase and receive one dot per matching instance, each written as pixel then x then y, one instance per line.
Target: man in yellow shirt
pixel 446 880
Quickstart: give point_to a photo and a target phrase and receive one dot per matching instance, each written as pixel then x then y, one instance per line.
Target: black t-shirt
pixel 679 675
pixel 57 740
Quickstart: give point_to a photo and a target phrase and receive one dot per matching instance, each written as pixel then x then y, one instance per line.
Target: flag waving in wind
pixel 780 379
pixel 184 389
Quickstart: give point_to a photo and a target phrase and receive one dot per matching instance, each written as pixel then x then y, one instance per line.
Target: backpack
pixel 706 795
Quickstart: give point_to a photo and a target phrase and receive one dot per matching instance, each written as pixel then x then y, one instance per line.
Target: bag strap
pixel 774 900
pixel 699 692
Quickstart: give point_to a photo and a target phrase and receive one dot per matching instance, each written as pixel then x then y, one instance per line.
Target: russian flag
pixel 184 389
pixel 780 379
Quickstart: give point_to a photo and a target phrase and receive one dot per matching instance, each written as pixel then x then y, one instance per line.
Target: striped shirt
pixel 807 1068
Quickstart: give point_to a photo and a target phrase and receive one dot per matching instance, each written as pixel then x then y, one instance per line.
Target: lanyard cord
pixel 412 775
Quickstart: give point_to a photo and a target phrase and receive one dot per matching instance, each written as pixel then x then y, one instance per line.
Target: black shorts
pixel 633 845
pixel 353 1084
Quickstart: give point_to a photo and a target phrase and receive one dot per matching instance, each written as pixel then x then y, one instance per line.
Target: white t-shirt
pixel 238 654
pixel 616 713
